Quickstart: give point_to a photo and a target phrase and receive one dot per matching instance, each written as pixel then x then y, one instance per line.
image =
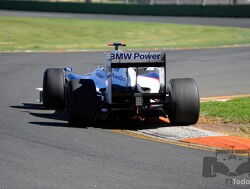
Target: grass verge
pixel 233 111
pixel 27 33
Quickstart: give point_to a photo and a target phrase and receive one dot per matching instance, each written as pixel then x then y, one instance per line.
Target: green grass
pixel 26 33
pixel 233 111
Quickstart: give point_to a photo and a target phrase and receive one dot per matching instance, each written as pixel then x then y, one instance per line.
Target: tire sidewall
pixel 82 103
pixel 53 88
pixel 184 108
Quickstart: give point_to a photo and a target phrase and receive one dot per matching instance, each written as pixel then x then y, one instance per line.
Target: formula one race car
pixel 129 84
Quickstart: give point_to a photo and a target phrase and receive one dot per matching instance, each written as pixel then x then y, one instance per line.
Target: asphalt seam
pixel 154 49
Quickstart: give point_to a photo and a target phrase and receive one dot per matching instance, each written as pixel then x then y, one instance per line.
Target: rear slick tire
pixel 82 102
pixel 184 105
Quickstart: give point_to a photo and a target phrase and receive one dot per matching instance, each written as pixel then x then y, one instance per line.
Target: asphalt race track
pixel 39 150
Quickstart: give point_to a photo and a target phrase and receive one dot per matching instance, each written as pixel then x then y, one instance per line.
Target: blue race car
pixel 129 84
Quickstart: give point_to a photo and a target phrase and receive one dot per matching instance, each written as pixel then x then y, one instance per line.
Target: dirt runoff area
pixel 212 124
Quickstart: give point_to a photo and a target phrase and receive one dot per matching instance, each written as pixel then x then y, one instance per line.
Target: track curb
pixel 204 142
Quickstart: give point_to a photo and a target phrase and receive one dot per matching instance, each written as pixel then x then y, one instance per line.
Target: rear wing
pixel 136 60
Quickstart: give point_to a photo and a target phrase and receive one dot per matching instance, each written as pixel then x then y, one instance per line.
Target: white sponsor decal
pixel 135 56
